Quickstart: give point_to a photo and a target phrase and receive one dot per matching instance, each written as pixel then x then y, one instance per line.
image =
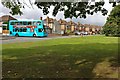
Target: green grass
pixel 58 58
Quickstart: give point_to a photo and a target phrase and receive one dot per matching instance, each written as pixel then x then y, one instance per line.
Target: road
pixel 31 39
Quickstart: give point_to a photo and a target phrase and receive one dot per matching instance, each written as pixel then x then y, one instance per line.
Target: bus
pixel 33 28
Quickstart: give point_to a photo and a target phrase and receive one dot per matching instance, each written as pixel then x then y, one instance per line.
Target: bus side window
pixel 12 23
pixel 13 30
pixel 21 30
pixel 24 29
pixel 40 30
pixel 24 23
pixel 20 23
pixel 34 23
pixel 16 23
pixel 16 30
pixel 29 23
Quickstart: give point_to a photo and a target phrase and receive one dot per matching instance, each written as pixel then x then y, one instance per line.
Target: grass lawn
pixel 82 57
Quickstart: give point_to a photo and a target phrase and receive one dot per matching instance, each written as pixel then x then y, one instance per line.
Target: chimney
pixel 40 18
pixel 47 19
pixel 60 21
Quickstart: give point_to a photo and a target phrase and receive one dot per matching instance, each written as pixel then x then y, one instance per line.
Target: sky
pixel 36 13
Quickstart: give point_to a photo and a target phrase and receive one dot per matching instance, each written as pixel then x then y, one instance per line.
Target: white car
pixel 77 33
pixel 85 33
pixel 81 33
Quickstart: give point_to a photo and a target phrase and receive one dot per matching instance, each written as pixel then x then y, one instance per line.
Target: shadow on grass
pixel 56 61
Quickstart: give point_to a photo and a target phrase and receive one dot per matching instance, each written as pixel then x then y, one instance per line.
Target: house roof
pixel 71 23
pixel 62 22
pixel 91 26
pixel 79 24
pixel 6 18
pixel 49 20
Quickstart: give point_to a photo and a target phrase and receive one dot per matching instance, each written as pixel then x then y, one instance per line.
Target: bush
pixel 106 34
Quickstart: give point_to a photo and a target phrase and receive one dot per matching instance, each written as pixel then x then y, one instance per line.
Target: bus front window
pixel 38 23
pixel 40 30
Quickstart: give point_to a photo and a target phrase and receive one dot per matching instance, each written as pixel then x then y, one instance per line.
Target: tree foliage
pixel 13 6
pixel 71 9
pixel 112 26
pixel 76 9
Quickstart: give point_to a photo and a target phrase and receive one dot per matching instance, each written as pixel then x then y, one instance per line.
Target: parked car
pixel 81 33
pixel 77 33
pixel 85 33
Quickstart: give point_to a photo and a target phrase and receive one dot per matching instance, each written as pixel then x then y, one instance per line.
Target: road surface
pixel 31 39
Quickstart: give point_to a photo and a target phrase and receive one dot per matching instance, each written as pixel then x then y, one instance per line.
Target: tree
pixel 113 23
pixel 76 9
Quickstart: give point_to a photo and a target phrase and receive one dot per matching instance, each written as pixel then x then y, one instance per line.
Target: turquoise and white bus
pixel 33 28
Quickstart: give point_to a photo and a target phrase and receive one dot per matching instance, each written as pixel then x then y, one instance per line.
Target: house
pixel 92 29
pixel 80 27
pixel 1 27
pixel 56 27
pixel 63 26
pixel 4 20
pixel 72 26
pixel 49 23
pixel 75 26
pixel 87 28
pixel 52 25
pixel 95 29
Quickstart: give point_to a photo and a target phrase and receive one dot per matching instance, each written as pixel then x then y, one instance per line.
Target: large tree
pixel 71 9
pixel 112 26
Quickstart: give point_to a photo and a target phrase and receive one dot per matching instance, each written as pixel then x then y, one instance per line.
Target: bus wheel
pixel 17 35
pixel 34 35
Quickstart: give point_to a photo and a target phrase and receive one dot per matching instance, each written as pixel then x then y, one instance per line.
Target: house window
pixel 4 27
pixel 90 29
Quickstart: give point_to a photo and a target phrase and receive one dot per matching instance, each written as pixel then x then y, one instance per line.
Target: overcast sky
pixel 36 13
